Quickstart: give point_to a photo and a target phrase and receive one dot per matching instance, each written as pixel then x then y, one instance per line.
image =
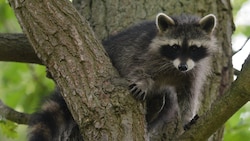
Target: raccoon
pixel 165 61
pixel 53 122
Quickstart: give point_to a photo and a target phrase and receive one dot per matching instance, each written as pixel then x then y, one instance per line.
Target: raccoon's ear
pixel 163 22
pixel 208 23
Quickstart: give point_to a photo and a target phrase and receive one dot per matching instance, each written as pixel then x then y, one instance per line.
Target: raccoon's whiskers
pixel 164 67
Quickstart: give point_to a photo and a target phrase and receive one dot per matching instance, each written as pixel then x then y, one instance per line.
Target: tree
pixel 63 40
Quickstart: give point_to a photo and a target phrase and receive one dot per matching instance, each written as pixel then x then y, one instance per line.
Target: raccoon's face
pixel 185 41
pixel 183 56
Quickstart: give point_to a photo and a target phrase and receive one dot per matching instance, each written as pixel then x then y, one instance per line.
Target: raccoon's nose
pixel 183 67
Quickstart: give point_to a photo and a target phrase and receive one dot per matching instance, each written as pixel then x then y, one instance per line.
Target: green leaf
pixel 8 128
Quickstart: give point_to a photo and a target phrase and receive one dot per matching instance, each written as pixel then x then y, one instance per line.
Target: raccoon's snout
pixel 183 67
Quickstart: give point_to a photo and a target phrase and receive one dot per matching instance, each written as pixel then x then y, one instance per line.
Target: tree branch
pixel 236 72
pixel 16 47
pixel 223 108
pixel 235 52
pixel 12 115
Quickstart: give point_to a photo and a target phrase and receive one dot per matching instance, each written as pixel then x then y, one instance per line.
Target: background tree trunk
pixel 107 17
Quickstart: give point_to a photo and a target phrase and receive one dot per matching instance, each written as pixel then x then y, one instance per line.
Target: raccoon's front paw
pixel 140 89
pixel 137 93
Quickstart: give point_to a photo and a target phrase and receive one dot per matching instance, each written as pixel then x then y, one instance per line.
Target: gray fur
pixel 135 53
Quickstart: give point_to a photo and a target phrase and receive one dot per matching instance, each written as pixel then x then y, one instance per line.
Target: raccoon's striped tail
pixel 54 122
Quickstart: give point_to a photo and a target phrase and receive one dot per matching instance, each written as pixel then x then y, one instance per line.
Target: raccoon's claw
pixel 140 88
pixel 193 121
pixel 131 86
pixel 137 92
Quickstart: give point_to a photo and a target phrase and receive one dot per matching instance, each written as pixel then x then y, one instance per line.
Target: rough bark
pixel 67 46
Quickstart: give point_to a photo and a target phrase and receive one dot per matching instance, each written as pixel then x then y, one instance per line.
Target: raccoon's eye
pixel 175 47
pixel 170 52
pixel 193 48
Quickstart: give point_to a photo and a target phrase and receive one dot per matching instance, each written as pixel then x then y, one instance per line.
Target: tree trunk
pixel 99 105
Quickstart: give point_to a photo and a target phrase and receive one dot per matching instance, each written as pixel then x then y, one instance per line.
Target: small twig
pixel 241 47
pixel 12 115
pixel 236 72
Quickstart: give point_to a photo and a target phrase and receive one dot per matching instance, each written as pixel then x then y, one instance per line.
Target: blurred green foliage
pixel 21 85
pixel 238 126
pixel 8 21
pixel 8 128
pixel 237 6
pixel 242 29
